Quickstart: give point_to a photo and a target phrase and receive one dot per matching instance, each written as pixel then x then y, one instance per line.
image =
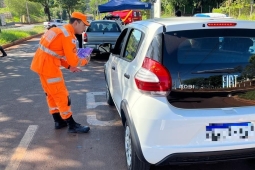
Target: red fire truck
pixel 128 16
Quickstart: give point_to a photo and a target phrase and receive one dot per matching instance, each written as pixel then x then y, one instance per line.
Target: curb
pixel 20 41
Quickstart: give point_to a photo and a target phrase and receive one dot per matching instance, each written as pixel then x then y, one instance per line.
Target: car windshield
pixel 103 27
pixel 213 60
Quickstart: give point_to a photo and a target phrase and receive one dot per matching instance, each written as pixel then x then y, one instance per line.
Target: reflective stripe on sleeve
pixel 49 35
pixel 54 80
pixel 64 31
pixel 48 51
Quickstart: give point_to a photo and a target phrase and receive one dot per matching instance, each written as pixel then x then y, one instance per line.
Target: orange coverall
pixel 57 48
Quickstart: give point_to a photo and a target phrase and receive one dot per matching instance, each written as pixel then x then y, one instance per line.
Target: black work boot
pixel 2 50
pixel 74 127
pixel 59 122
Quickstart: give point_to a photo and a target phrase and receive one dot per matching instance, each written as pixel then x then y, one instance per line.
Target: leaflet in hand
pixel 84 52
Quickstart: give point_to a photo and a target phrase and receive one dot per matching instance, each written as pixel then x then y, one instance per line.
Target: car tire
pixel 132 160
pixel 251 162
pixel 109 99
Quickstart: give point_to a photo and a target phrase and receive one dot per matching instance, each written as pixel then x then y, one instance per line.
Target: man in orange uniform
pixel 58 47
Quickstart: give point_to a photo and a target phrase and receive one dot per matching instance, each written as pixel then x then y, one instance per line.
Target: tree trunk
pixel 49 18
pixel 47 11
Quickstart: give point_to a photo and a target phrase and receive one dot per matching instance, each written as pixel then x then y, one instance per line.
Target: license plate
pixel 229 131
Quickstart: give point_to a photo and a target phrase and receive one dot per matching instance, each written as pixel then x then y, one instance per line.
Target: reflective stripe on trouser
pixel 57 95
pixel 53 108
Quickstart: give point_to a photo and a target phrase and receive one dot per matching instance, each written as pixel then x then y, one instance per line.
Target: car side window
pixel 155 49
pixel 133 44
pixel 119 43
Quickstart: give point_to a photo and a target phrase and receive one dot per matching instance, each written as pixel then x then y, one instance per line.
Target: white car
pixel 54 23
pixel 177 84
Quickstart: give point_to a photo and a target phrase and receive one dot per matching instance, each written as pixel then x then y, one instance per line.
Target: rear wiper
pixel 224 70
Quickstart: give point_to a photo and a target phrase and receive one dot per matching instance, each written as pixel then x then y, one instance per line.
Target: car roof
pixel 181 20
pixel 173 21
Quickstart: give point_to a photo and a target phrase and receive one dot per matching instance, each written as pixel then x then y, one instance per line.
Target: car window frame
pixel 122 36
pixel 126 43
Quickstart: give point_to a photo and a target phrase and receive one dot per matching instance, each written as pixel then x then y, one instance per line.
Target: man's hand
pixel 74 69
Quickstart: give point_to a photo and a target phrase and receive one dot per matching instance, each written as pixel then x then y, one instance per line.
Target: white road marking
pixel 22 148
pixel 92 120
pixel 91 103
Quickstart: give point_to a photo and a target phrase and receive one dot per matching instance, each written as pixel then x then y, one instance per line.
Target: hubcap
pixel 128 146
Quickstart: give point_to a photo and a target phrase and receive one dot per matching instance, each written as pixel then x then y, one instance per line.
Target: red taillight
pixel 221 24
pixel 85 37
pixel 153 77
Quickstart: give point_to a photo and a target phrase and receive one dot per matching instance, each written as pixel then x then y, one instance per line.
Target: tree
pixel 196 4
pixel 69 5
pixel 64 15
pixel 93 6
pixel 249 70
pixel 46 4
pixel 18 6
pixel 83 6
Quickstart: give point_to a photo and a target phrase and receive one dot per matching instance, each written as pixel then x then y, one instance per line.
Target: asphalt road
pixel 28 139
pixel 19 26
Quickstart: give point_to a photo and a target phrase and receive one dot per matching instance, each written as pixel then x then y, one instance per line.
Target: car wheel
pixel 133 162
pixel 109 97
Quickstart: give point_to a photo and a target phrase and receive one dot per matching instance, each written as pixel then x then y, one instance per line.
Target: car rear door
pixel 126 65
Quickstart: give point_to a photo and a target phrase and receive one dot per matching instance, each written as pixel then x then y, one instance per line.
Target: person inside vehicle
pixel 93 27
pixel 100 27
pixel 114 28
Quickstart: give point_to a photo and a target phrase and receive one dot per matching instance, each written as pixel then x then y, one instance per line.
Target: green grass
pixel 248 95
pixel 7 36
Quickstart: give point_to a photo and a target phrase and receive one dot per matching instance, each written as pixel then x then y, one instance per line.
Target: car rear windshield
pixel 213 68
pixel 103 27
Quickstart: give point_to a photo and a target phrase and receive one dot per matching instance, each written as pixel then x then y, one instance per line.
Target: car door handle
pixel 127 75
pixel 113 67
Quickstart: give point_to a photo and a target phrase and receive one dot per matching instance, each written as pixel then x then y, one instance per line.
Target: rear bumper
pixel 207 157
pixel 169 134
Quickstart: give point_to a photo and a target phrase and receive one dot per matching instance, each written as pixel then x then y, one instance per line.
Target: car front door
pixel 113 60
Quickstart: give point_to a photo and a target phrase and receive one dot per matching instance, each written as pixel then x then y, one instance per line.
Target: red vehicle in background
pixel 128 16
